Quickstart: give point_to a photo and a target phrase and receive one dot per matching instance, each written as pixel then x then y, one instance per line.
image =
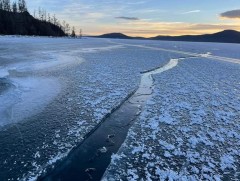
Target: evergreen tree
pixel 6 5
pixel 73 34
pixel 22 7
pixel 14 7
pixel 1 4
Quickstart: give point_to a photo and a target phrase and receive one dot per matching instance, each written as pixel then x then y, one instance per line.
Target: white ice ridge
pixel 147 80
pixel 209 56
pixel 172 63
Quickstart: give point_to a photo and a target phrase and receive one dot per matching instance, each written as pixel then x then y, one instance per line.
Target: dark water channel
pixel 91 158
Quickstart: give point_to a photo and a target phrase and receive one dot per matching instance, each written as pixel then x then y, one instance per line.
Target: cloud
pixel 127 18
pixel 137 18
pixel 193 11
pixel 136 3
pixel 234 14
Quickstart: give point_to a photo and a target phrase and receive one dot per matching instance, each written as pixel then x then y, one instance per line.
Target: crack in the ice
pixel 138 97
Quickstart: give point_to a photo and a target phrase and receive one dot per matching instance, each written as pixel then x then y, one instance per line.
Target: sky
pixel 146 18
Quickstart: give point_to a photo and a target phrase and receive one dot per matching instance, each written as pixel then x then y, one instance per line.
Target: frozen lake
pixel 53 91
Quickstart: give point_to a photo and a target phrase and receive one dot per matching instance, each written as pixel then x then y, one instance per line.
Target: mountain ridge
pixel 226 36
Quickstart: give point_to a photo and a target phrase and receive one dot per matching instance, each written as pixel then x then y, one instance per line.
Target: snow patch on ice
pixel 189 128
pixel 227 161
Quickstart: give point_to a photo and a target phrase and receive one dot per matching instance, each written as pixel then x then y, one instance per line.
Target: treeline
pixel 15 7
pixel 14 13
pixel 42 15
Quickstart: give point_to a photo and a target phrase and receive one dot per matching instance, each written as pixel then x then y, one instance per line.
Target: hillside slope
pixel 226 36
pixel 115 35
pixel 25 24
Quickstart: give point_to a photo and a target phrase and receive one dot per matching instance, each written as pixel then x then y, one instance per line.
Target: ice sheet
pixel 189 129
pixel 69 85
pixel 29 96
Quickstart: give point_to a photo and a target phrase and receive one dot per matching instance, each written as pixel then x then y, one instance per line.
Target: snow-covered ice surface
pixel 53 91
pixel 217 49
pixel 189 129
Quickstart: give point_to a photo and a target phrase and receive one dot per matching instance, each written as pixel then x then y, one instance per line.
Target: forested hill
pixel 22 23
pixel 226 36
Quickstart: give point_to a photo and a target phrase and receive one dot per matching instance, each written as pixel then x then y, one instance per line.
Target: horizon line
pixel 133 36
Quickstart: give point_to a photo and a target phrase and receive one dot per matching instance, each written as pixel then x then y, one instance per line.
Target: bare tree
pixel 80 33
pixel 40 14
pixel 49 18
pixel 64 26
pixel 54 19
pixel 44 15
pixel 67 29
pixel 34 13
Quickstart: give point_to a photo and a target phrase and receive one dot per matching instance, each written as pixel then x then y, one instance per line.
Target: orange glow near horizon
pixel 165 29
pixel 145 18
